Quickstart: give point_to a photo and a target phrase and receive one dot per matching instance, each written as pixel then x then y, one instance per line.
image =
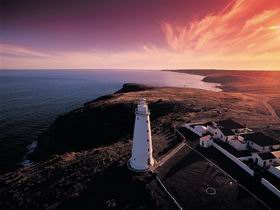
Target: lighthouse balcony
pixel 142 112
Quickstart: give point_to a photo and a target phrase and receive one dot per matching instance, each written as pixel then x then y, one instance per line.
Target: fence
pixel 269 186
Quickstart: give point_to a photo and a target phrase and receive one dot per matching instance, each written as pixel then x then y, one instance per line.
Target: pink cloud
pixel 12 50
pixel 242 25
pixel 243 35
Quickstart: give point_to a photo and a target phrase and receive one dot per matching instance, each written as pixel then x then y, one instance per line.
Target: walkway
pixel 168 156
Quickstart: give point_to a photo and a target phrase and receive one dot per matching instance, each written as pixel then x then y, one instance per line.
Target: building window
pixel 137 118
pixel 148 149
pixel 147 121
pixel 148 131
pixel 221 136
pixel 147 140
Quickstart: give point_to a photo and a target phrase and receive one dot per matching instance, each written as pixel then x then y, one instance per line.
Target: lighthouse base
pixel 136 168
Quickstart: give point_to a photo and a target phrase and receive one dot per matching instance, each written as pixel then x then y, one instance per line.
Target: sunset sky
pixel 140 34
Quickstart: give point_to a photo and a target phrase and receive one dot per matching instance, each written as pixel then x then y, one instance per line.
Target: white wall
pixel 245 158
pixel 234 159
pixel 217 134
pixel 206 141
pixel 274 171
pixel 255 157
pixel 237 144
pixel 262 162
pixel 271 187
pixel 263 149
pixel 259 148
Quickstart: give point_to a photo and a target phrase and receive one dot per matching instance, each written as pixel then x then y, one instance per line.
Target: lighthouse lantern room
pixel 142 150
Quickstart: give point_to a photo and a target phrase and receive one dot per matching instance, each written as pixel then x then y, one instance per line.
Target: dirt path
pixel 270 109
pixel 264 100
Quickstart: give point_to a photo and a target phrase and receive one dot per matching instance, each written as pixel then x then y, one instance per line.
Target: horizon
pixel 133 69
pixel 241 35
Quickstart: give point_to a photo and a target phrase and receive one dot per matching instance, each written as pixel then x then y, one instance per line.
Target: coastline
pixel 87 148
pixel 46 94
pixel 127 87
pixel 241 81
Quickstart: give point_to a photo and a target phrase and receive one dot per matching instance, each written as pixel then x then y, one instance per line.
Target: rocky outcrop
pixel 133 87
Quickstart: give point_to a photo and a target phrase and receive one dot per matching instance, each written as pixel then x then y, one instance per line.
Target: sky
pixel 140 34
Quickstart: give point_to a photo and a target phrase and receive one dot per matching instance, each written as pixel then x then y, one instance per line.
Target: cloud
pixel 244 25
pixel 17 51
pixel 244 35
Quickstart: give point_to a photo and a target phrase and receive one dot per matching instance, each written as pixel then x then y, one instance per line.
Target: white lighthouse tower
pixel 142 149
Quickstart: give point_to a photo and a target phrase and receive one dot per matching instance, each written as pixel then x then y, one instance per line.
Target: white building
pixel 220 133
pixel 142 150
pixel 227 134
pixel 266 159
pixel 260 142
pixel 230 124
pixel 206 141
pixel 198 129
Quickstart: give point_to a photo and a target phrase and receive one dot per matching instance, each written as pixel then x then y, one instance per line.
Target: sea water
pixel 30 100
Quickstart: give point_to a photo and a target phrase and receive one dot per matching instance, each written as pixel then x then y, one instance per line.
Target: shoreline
pixel 241 81
pixel 32 146
pixel 226 81
pixel 78 157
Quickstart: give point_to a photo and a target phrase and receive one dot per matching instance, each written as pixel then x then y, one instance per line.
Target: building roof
pixel 230 124
pixel 227 132
pixel 266 155
pixel 270 155
pixel 261 139
pixel 208 123
pixel 276 154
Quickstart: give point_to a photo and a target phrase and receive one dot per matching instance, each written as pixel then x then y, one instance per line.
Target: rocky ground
pixel 80 161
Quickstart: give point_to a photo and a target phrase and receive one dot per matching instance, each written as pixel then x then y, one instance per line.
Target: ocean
pixel 30 100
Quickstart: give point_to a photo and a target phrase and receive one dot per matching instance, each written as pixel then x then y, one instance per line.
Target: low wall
pixel 274 171
pixel 245 158
pixel 269 186
pixel 234 159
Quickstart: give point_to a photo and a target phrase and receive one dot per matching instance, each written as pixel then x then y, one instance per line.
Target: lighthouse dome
pixel 200 129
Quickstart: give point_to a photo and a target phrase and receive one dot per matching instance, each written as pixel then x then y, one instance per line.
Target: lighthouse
pixel 142 149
